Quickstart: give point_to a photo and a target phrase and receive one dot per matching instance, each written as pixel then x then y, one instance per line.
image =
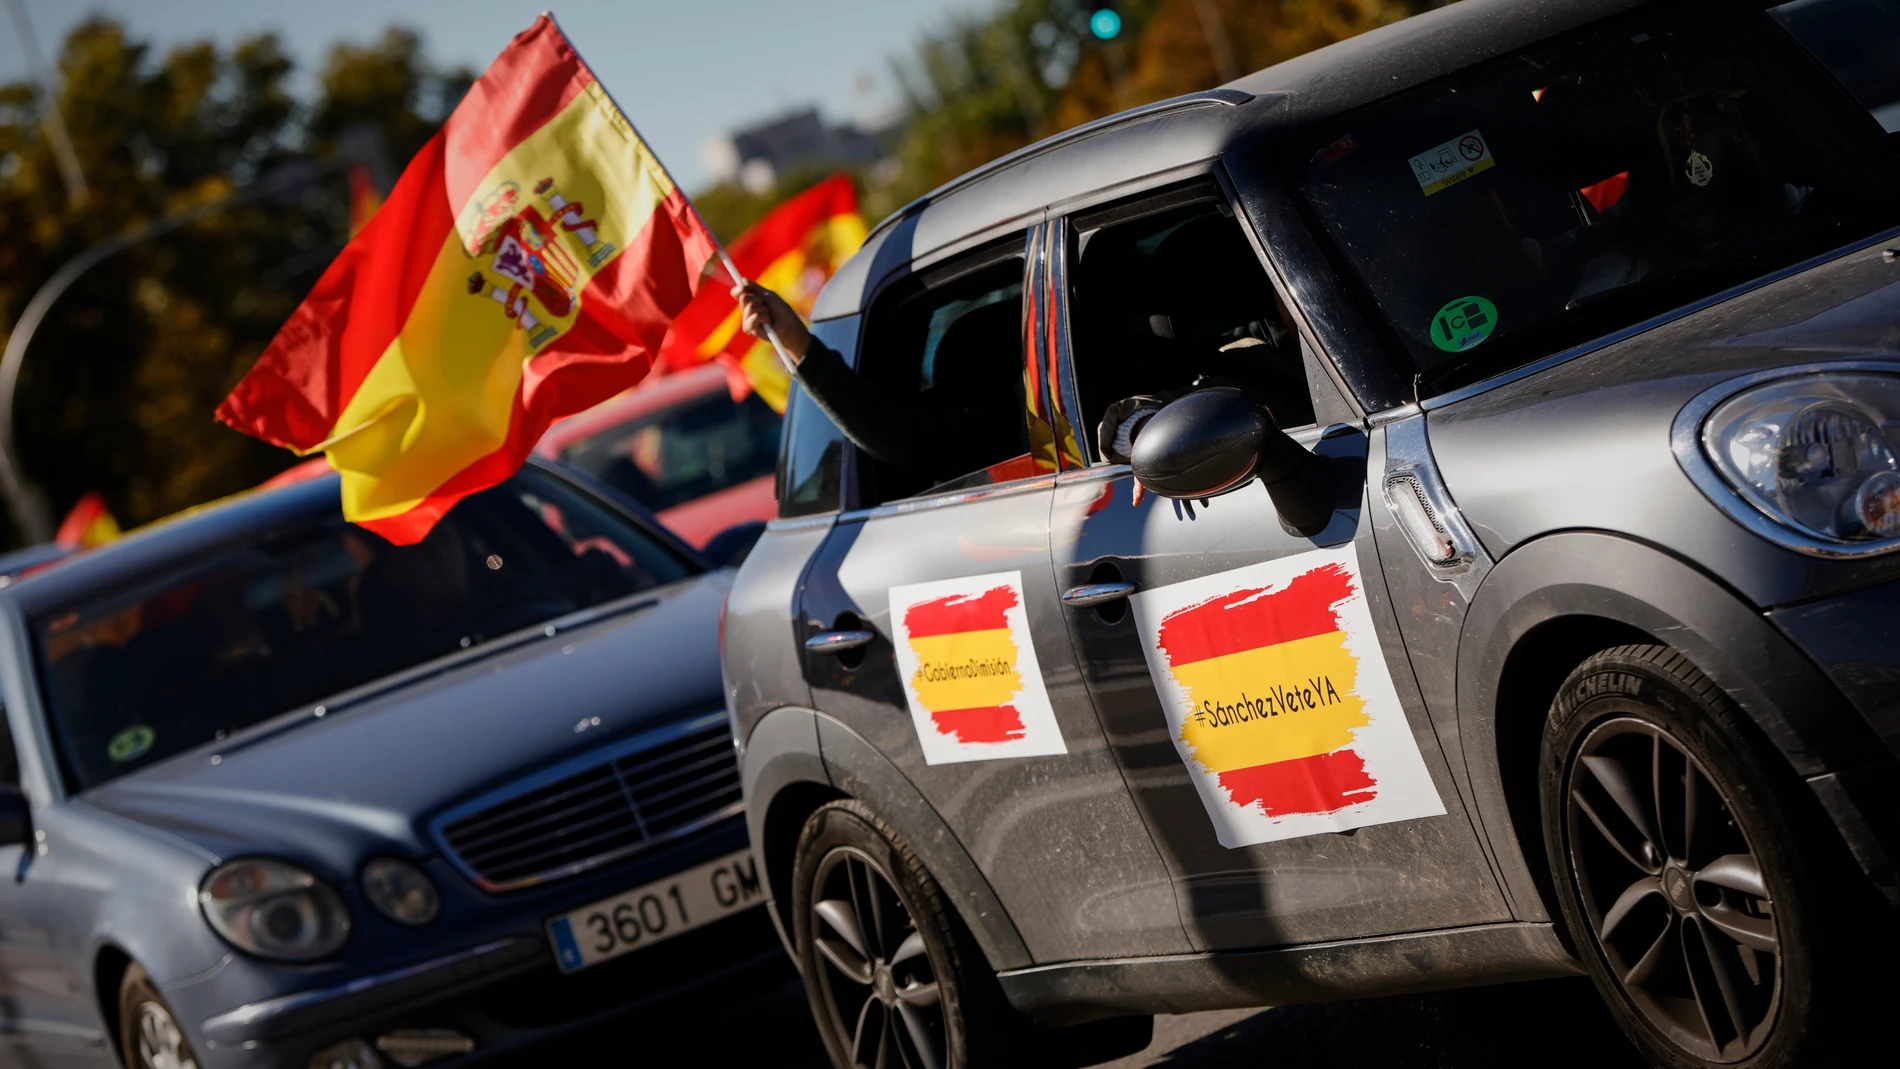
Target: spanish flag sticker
pixel 1279 701
pixel 970 671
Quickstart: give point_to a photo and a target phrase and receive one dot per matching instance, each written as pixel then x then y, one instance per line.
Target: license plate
pixel 656 912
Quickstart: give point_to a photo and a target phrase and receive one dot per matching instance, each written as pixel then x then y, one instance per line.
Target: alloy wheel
pixel 161 1044
pixel 875 977
pixel 1672 890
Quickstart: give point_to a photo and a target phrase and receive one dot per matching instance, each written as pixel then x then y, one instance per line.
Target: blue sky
pixel 684 70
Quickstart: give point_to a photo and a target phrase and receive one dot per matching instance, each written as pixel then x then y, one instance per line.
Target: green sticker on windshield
pixel 1464 323
pixel 131 744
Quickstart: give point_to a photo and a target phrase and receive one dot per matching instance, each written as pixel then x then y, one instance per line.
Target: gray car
pixel 1502 582
pixel 276 792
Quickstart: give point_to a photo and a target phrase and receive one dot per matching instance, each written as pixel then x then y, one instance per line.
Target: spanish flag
pixel 967 664
pixel 1274 694
pixel 89 524
pixel 525 267
pixel 793 251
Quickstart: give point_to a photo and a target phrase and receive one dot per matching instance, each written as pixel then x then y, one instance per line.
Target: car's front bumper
pixel 1855 638
pixel 501 987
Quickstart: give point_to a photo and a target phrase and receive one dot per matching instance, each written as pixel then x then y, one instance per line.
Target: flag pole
pixel 725 258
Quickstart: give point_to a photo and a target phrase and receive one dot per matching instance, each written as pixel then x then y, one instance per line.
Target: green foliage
pixel 730 210
pixel 983 87
pixel 120 381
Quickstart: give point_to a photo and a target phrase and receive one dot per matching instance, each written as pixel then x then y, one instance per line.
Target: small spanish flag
pixel 1274 692
pixel 525 267
pixel 89 524
pixel 365 198
pixel 967 672
pixel 793 251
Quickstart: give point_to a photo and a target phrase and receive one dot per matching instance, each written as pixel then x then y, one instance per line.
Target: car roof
pixel 1123 149
pixel 650 396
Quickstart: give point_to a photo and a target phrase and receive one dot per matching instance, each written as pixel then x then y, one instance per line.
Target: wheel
pixel 1706 917
pixel 888 969
pixel 149 1036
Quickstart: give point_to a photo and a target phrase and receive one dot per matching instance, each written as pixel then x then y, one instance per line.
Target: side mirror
pixel 1215 441
pixel 728 548
pixel 16 820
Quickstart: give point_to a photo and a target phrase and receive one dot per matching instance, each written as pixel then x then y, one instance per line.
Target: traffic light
pixel 1105 24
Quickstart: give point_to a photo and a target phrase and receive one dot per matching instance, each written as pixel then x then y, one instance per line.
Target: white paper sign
pixel 970 671
pixel 1279 701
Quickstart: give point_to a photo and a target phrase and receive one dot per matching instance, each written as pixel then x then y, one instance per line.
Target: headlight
pixel 1815 454
pixel 400 891
pixel 274 910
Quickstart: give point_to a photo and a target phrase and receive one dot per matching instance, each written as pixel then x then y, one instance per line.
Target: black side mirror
pixel 16 820
pixel 729 547
pixel 1215 441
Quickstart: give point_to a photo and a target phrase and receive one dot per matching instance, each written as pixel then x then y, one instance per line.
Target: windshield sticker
pixel 131 744
pixel 1336 151
pixel 1446 165
pixel 1463 323
pixel 1279 701
pixel 970 671
pixel 1698 169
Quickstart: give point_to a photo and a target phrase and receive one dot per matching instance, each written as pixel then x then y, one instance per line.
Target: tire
pixel 916 984
pixel 1712 906
pixel 149 1035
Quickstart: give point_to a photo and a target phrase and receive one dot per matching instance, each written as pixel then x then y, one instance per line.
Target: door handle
pixel 1081 597
pixel 839 641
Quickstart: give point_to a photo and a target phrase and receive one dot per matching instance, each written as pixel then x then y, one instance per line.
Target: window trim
pixel 984 254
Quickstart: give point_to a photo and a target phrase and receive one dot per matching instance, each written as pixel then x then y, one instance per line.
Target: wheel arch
pixel 109 965
pixel 1552 603
pixel 796 760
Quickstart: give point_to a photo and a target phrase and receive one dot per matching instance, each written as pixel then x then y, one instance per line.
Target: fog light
pixel 411 1047
pixel 349 1054
pixel 400 891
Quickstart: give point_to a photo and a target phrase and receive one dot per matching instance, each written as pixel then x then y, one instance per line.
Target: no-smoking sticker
pixel 1442 166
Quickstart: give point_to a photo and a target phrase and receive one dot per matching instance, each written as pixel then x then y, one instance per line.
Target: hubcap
pixel 874 979
pixel 1673 891
pixel 161 1044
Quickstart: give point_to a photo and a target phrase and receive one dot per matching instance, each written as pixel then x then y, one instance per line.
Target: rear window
pixel 1580 187
pixel 685 452
pixel 235 638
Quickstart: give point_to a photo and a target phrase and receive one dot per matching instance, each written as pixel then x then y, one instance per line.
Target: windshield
pixel 247 633
pixel 1578 188
pixel 685 452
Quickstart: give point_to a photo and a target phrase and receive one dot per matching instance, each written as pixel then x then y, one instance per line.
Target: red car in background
pixel 682 447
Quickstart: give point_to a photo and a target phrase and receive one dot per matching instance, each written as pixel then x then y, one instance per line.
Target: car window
pixel 1167 296
pixel 245 633
pixel 946 351
pixel 684 452
pixel 814 459
pixel 1585 185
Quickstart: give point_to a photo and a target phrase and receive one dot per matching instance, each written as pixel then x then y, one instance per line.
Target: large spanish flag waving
pixel 793 251
pixel 525 267
pixel 1280 701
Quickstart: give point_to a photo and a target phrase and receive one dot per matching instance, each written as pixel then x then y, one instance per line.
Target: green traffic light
pixel 1105 24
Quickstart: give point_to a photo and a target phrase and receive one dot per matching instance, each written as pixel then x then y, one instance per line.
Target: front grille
pixel 596 809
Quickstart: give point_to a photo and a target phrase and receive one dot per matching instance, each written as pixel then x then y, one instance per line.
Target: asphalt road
pixel 1554 1024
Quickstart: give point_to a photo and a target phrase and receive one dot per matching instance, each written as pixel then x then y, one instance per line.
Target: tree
pixel 118 388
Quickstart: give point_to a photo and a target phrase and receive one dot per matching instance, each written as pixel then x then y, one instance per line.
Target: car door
pixel 969 684
pixel 1250 679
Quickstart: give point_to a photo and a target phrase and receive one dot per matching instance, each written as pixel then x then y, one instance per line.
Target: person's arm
pixel 876 421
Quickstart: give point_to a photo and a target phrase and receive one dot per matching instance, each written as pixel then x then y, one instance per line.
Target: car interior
pixel 1167 297
pixel 944 363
